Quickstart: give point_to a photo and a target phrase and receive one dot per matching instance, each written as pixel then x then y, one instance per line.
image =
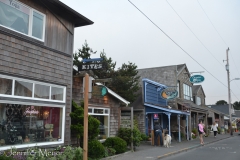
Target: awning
pixel 114 94
pixel 161 109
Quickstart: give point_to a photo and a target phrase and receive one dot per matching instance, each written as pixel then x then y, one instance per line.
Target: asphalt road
pixel 228 149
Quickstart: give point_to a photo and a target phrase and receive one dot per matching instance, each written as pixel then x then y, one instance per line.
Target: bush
pixel 194 131
pixel 125 134
pixel 116 143
pixel 95 149
pixel 3 157
pixel 144 137
pixel 109 152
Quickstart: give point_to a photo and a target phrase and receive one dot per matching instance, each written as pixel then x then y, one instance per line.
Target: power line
pixel 212 24
pixel 175 43
pixel 194 33
pixel 219 36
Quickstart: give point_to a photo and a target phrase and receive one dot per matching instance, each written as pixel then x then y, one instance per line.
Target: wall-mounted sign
pixel 155 116
pixel 169 93
pixel 196 79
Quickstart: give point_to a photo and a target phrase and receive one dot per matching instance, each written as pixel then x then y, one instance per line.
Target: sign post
pixel 85 120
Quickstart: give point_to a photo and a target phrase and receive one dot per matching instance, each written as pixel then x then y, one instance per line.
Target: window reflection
pixel 41 91
pixel 23 89
pixel 5 86
pixel 57 93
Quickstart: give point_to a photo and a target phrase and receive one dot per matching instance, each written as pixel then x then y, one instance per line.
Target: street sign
pixel 196 79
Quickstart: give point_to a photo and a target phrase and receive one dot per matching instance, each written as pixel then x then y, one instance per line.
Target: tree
pixel 236 105
pixel 125 81
pixel 221 102
pixel 77 117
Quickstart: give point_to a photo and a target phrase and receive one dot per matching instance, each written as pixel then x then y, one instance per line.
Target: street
pixel 225 149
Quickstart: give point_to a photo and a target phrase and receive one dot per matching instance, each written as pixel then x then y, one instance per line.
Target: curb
pixel 188 149
pixel 112 157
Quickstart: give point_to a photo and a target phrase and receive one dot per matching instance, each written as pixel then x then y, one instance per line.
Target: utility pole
pixel 229 94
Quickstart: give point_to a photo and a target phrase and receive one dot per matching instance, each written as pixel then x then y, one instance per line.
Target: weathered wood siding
pixel 56 35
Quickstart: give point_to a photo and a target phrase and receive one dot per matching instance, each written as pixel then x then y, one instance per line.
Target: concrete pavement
pixel 146 151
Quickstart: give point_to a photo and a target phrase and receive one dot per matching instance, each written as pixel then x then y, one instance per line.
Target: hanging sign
pixel 196 79
pixel 169 93
pixel 91 64
pixel 99 91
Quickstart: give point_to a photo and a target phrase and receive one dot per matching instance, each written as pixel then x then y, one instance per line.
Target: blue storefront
pixel 157 110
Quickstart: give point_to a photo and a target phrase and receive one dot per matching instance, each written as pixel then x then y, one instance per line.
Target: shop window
pixel 18 17
pixel 41 91
pixel 18 87
pixel 5 86
pixel 187 92
pixel 103 116
pixel 23 89
pixel 27 124
pixel 57 93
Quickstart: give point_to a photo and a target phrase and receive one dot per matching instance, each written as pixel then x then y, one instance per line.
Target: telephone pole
pixel 229 94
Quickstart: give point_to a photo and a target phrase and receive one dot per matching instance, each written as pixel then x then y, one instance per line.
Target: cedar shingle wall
pixel 25 60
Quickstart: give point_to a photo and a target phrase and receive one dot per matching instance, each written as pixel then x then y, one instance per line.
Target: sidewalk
pixel 146 151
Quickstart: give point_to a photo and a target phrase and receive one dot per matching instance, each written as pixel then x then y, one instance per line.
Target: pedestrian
pixel 214 129
pixel 158 132
pixel 201 132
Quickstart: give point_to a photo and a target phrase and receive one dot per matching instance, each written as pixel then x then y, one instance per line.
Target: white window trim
pixel 39 143
pixel 30 23
pixel 34 82
pixel 104 114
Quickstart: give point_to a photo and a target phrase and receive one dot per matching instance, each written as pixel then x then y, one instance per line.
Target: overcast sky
pixel 126 35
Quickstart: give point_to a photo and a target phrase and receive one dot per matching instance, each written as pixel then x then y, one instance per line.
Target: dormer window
pixel 22 19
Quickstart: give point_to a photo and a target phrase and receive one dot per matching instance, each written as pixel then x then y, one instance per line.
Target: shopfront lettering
pixel 30 110
pixel 93 66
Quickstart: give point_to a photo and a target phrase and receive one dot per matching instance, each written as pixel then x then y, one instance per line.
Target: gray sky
pixel 126 35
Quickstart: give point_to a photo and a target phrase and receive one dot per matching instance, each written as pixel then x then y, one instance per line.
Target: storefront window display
pixel 26 124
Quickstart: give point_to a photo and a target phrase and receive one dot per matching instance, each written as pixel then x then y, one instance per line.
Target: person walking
pixel 201 132
pixel 158 132
pixel 214 128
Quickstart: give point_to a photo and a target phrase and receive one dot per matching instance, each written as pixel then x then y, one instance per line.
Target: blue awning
pixel 157 109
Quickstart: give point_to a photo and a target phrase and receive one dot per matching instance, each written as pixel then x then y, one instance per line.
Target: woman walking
pixel 201 132
pixel 214 128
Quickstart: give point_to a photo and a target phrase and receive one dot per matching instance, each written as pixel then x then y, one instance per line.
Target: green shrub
pixel 3 157
pixel 194 130
pixel 109 152
pixel 144 137
pixel 95 149
pixel 125 134
pixel 116 143
pixel 219 130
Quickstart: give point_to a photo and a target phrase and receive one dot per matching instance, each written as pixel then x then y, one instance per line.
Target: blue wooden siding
pixel 152 95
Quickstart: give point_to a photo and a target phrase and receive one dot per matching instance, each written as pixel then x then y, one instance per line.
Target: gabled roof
pixel 115 94
pixel 196 89
pixel 222 108
pixel 61 9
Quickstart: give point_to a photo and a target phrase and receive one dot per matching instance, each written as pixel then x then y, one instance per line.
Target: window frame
pixel 103 114
pixel 187 92
pixel 30 22
pixel 63 107
pixel 34 82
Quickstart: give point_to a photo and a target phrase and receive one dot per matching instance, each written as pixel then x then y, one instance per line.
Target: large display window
pixel 29 124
